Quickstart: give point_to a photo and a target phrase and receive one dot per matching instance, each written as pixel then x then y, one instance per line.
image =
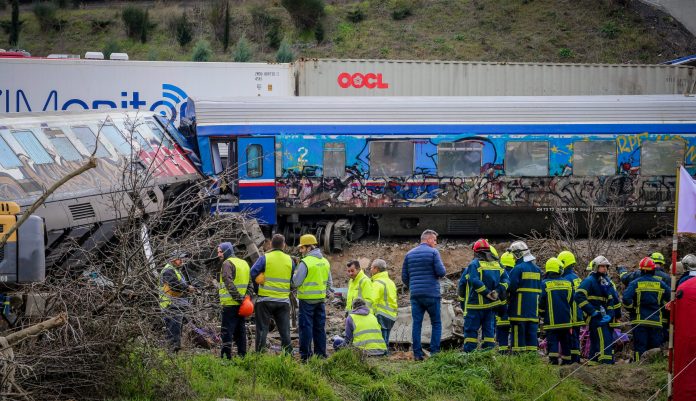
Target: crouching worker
pixel 363 330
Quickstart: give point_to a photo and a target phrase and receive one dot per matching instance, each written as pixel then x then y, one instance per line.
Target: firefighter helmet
pixel 481 245
pixel 689 262
pixel 519 249
pixel 507 260
pixel 567 258
pixel 658 258
pixel 600 261
pixel 647 264
pixel 554 265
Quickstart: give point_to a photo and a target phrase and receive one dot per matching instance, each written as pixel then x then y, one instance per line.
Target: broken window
pixel 36 152
pixel 459 159
pixel 527 159
pixel 334 159
pixel 254 155
pixel 116 138
pixel 391 158
pixel 8 159
pixel 594 158
pixel 221 152
pixel 89 140
pixel 661 157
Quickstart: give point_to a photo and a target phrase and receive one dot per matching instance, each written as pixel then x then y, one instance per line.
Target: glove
pixel 605 320
pixel 502 293
pixel 493 295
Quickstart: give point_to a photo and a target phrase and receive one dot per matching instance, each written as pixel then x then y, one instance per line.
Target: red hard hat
pixel 647 264
pixel 481 245
pixel 246 309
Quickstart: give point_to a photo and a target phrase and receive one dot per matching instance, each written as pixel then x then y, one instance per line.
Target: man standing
pixel 312 279
pixel 384 297
pixel 359 285
pixel 525 288
pixel 234 285
pixel 568 260
pixel 274 293
pixel 597 297
pixel 172 298
pixel 644 299
pixel 689 263
pixel 502 327
pixel 488 281
pixel 421 270
pixel 556 304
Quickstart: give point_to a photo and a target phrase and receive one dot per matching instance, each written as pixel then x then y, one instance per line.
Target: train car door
pixel 257 192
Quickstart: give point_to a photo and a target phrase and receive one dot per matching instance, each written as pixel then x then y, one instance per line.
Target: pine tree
pixel 226 37
pixel 14 28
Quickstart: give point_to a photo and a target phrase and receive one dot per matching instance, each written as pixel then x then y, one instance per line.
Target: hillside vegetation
pixel 592 31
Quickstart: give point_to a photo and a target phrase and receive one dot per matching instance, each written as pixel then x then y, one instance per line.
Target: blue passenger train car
pixel 460 165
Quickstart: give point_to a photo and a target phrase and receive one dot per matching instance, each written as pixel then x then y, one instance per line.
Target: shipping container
pixel 31 85
pixel 325 77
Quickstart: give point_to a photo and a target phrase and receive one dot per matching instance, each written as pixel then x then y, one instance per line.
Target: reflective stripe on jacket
pixel 482 278
pixel 384 296
pixel 644 297
pixel 556 303
pixel 359 287
pixel 241 281
pixel 278 275
pixel 315 283
pixel 166 293
pixel 525 289
pixel 368 332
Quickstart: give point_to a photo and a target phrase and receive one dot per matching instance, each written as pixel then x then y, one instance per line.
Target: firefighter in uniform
pixel 596 297
pixel 645 298
pixel 556 304
pixel 488 282
pixel 525 289
pixel 502 328
pixel 569 263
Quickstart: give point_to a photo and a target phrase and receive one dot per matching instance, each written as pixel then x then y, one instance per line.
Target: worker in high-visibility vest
pixel 273 273
pixel 172 298
pixel 312 278
pixel 359 285
pixel 363 330
pixel 234 284
pixel 384 298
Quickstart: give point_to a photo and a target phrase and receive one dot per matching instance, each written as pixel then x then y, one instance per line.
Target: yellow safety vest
pixel 166 293
pixel 359 287
pixel 241 281
pixel 314 285
pixel 385 303
pixel 368 333
pixel 278 275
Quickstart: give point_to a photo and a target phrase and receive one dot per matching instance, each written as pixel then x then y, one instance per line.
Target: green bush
pixel 242 51
pixel 306 14
pixel 285 54
pixel 136 21
pixel 182 29
pixel 319 33
pixel 356 14
pixel 111 47
pixel 565 52
pixel 609 30
pixel 202 51
pixel 100 25
pixel 274 35
pixel 46 15
pixel 401 9
pixel 217 17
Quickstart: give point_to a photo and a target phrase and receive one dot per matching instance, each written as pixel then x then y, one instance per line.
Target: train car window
pixel 8 159
pixel 660 157
pixel 391 158
pixel 334 159
pixel 63 145
pixel 221 155
pixel 594 158
pixel 36 152
pixel 164 140
pixel 117 139
pixel 254 161
pixel 527 159
pixel 459 159
pixel 87 137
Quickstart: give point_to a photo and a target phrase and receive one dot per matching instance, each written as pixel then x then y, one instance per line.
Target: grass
pixel 347 375
pixel 487 30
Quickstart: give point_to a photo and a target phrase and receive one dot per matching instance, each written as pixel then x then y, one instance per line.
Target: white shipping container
pixel 32 85
pixel 326 77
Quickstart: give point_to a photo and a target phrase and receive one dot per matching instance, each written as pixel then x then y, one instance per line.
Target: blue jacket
pixel 481 278
pixel 525 289
pixel 626 277
pixel 421 270
pixel 597 292
pixel 503 318
pixel 644 297
pixel 556 302
pixel 569 274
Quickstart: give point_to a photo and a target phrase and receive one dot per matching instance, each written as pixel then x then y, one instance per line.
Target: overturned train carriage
pixel 37 150
pixel 460 165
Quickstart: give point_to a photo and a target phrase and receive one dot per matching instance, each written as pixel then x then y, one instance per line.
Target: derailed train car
pixel 461 165
pixel 36 150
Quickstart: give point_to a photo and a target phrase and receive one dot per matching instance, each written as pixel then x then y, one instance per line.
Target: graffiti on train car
pixel 304 183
